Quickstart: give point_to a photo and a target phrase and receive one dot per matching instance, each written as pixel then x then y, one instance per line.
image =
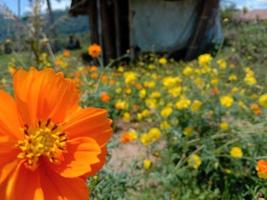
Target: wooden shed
pixel 181 28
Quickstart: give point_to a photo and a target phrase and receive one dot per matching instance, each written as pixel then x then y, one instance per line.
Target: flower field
pixel 181 130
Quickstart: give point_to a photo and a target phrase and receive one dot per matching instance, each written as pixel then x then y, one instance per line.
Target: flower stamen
pixel 45 138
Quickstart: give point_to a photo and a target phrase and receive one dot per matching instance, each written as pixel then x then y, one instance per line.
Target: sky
pixel 25 6
pixel 12 4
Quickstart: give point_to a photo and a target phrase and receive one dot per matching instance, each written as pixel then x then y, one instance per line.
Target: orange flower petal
pixel 8 163
pixel 96 167
pixel 59 188
pixel 38 98
pixel 81 154
pixel 24 184
pixel 9 121
pixel 90 122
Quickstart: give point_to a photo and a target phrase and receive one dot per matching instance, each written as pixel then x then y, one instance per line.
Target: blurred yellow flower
pixel 194 161
pixel 188 71
pixel 236 152
pixel 232 77
pixel 163 61
pixel 224 126
pixel 222 64
pixel 166 112
pixel 149 84
pixel 147 164
pixel 154 133
pixel 263 100
pixel 142 93
pixel 183 103
pixel 175 91
pixel 204 59
pixel 121 105
pixel 196 105
pixel 126 117
pixel 226 101
pixel 188 131
pixel 164 125
pixel 129 77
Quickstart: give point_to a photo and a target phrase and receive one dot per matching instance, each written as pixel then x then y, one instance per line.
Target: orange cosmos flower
pixel 256 109
pixel 94 50
pixel 262 169
pixel 104 97
pixel 48 143
pixel 66 53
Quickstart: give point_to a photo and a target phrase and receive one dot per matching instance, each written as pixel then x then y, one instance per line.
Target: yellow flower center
pixel 42 139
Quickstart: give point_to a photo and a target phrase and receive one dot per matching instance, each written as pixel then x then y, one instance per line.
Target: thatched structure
pixel 176 27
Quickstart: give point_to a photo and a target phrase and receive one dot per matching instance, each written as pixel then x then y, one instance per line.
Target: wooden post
pixel 93 23
pixel 206 18
pixel 117 27
pixel 107 30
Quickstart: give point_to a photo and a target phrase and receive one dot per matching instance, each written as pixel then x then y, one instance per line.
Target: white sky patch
pixel 62 5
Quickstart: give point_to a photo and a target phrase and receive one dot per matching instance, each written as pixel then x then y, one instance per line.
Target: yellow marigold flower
pixel 188 131
pixel 149 84
pixel 155 95
pixel 171 81
pixel 166 112
pixel 146 113
pixel 236 152
pixel 232 77
pixel 214 81
pixel 163 61
pixel 250 80
pixel 226 101
pixel 196 105
pixel 262 169
pixel 118 90
pixel 199 82
pixel 126 117
pixel 204 59
pixel 175 91
pixel 129 77
pixel 183 103
pixel 194 161
pixel 164 125
pixel 147 164
pixel 263 100
pixel 121 105
pixel 188 71
pixel 145 139
pixel 151 103
pixel 151 66
pixel 154 133
pixel 142 93
pixel 12 70
pixel 222 64
pixel 224 126
pixel 120 69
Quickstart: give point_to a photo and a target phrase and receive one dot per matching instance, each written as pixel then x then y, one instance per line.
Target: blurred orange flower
pixel 94 50
pixel 262 169
pixel 128 136
pixel 66 53
pixel 256 109
pixel 48 143
pixel 104 97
